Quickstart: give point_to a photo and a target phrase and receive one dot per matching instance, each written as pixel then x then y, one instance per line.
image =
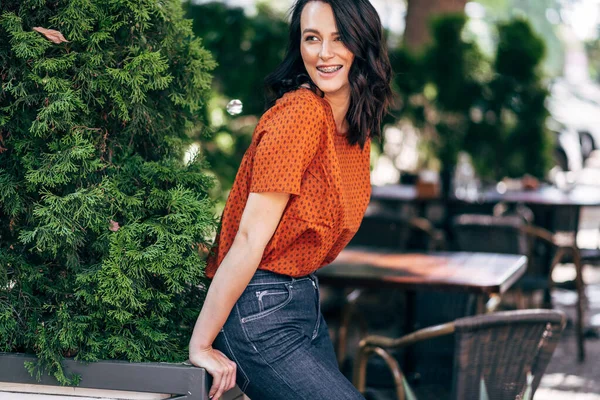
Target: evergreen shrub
pixel 101 220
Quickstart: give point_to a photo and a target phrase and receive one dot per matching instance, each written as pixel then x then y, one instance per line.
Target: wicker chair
pixel 500 348
pixel 386 229
pixel 491 234
pixel 514 234
pixel 381 229
pixel 432 361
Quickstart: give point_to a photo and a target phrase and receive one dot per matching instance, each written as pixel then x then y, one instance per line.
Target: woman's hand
pixel 221 368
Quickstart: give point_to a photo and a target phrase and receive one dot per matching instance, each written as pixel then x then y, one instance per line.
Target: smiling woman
pixel 326 59
pixel 298 199
pixel 329 34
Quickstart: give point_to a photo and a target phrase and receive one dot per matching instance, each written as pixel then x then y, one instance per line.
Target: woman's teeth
pixel 329 69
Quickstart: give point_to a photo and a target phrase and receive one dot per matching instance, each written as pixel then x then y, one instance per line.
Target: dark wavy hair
pixel 361 32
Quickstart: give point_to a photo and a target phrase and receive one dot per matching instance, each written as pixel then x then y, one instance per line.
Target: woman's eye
pixel 311 38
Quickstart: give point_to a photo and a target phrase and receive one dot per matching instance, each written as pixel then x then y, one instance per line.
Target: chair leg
pixel 520 299
pixel 342 335
pixel 360 369
pixel 580 300
pixel 560 252
pixel 558 256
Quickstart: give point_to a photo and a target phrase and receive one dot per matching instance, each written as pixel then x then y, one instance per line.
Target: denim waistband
pixel 263 276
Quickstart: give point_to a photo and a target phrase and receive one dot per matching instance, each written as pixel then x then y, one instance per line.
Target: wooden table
pixel 478 273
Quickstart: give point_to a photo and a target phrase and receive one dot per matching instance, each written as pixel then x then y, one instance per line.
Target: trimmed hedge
pixel 101 221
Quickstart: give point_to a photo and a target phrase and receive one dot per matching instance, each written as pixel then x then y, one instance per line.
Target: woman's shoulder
pixel 302 93
pixel 301 101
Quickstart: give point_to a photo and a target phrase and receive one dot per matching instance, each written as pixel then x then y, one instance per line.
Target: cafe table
pixel 477 273
pixel 398 193
pixel 482 274
pixel 545 201
pixel 545 195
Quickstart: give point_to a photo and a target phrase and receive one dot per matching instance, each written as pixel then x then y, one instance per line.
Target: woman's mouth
pixel 329 71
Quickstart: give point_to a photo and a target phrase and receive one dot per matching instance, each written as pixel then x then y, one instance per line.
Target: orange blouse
pixel 296 149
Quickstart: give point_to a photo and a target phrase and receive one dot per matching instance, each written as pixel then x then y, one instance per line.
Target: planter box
pixel 112 379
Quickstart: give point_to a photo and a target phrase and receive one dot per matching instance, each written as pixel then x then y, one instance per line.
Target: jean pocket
pixel 266 301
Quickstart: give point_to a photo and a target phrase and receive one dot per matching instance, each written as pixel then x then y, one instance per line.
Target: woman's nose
pixel 325 52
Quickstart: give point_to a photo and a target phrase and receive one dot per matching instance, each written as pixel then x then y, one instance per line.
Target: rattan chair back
pixel 384 230
pixel 502 349
pixel 490 234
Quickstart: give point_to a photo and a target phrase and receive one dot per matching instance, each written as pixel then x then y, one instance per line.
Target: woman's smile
pixel 326 58
pixel 329 71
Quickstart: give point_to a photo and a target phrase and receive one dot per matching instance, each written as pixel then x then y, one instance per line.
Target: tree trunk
pixel 418 15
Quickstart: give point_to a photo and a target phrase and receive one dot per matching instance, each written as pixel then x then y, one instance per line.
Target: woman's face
pixel 326 58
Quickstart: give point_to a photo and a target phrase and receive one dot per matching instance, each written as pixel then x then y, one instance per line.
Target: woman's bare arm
pixel 260 218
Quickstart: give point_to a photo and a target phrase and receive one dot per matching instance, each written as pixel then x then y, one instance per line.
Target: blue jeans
pixel 280 342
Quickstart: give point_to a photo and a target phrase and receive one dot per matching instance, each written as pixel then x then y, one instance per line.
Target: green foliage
pixel 592 49
pixel 538 14
pixel 101 221
pixel 457 69
pixel 463 101
pixel 514 109
pixel 246 48
pixel 460 65
pixel 518 42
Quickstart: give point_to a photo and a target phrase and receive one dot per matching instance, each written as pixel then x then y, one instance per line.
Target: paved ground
pixel 566 378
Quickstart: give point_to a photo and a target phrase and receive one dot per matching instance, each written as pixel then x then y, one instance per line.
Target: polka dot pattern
pixel 296 149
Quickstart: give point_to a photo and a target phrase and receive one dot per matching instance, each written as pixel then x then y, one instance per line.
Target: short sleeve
pixel 289 139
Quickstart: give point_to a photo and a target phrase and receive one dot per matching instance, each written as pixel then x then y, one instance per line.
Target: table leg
pixel 409 326
pixel 552 227
pixel 480 307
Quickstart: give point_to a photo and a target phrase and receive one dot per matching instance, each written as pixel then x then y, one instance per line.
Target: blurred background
pixel 501 94
pixel 472 79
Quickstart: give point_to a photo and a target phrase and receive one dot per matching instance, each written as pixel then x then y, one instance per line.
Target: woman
pixel 298 198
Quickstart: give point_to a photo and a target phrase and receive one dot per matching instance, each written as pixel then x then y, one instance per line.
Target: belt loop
pixel 314 278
